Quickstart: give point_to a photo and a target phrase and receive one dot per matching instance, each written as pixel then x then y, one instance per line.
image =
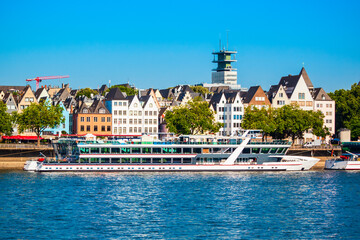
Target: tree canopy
pixel 129 91
pixel 347 109
pixel 5 120
pixel 200 89
pixel 194 118
pixel 288 121
pixel 38 117
pixel 86 92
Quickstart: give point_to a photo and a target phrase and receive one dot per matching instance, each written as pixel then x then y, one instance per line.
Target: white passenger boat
pixel 348 161
pixel 186 153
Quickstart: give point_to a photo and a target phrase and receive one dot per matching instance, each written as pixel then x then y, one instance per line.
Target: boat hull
pixel 62 167
pixel 338 164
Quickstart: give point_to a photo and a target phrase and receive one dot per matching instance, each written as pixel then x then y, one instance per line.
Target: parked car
pixel 311 144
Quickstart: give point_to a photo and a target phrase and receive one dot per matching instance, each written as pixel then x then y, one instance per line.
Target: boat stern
pixel 32 165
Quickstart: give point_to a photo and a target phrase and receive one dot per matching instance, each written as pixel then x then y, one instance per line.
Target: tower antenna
pixel 227 40
pixel 220 42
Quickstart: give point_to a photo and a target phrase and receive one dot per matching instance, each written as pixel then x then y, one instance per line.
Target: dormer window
pixel 101 110
pixel 85 111
pixel 323 97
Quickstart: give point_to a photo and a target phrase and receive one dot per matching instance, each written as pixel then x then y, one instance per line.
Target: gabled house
pixel 277 96
pixel 95 119
pixel 63 127
pixel 298 89
pixel 26 99
pixel 10 102
pixel 323 103
pixel 229 110
pixel 41 93
pixel 255 97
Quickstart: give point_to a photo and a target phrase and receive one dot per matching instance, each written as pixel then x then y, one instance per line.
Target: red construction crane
pixel 39 79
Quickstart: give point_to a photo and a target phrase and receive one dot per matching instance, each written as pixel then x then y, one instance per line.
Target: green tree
pixel 194 118
pixel 86 92
pixel 200 89
pixel 288 121
pixel 347 109
pixel 5 120
pixel 38 117
pixel 124 89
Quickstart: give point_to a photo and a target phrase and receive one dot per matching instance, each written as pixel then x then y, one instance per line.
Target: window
pixel 130 121
pixel 131 113
pixel 95 128
pixel 139 129
pixel 155 130
pixel 26 99
pixel 101 110
pixel 124 113
pixel 301 95
pixel 281 95
pixel 155 120
pixel 31 99
pixel 120 103
pixel 115 130
pixel 146 113
pixel 87 119
pixel 135 121
pixel 115 121
pixel 115 103
pixel 102 119
pixel 146 129
pixel 108 128
pixel 82 128
pixel 146 121
pixel 124 130
pixel 95 119
pixel 150 113
pixel 82 119
pixel 139 121
pixel 124 103
pixel 150 121
pixel 115 112
pixel 124 121
pixel 103 128
pixel 85 111
pixel 140 113
pixel 130 129
pixel 108 119
pixel 135 105
pixel 155 113
pixel 88 128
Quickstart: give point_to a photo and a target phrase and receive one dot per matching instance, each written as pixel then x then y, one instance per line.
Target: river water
pixel 286 205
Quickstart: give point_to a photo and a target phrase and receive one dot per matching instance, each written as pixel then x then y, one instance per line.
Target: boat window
pixel 135 150
pixel 94 160
pixel 176 160
pixel 197 150
pixel 166 160
pixel 146 160
pixel 177 150
pixel 135 160
pixel 84 160
pixel 115 160
pixel 216 150
pixel 273 150
pixel 95 150
pixel 246 150
pixel 206 150
pixel 167 150
pixel 186 150
pixel 115 150
pixel 156 150
pixel 125 160
pixel 125 150
pixel 84 150
pixel 265 150
pixel 187 160
pixel 105 160
pixel 255 150
pixel 156 160
pixel 105 150
pixel 146 150
pixel 280 150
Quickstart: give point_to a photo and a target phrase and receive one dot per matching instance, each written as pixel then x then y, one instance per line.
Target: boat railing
pixel 185 143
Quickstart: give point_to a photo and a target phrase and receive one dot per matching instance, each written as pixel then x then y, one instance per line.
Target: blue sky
pixel 163 43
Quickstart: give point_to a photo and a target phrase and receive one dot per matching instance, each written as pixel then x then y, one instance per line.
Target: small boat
pixel 348 161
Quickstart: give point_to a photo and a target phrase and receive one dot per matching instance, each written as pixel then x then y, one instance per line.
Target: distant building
pixel 224 73
pixel 256 98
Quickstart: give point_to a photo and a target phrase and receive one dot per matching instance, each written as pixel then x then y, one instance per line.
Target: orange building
pixel 95 119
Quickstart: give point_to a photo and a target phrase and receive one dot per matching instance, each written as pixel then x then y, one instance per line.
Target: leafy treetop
pixel 122 88
pixel 86 92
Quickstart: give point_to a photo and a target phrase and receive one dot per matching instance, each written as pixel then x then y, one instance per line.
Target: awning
pixel 18 137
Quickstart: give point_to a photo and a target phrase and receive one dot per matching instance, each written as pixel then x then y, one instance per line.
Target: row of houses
pixel 112 112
